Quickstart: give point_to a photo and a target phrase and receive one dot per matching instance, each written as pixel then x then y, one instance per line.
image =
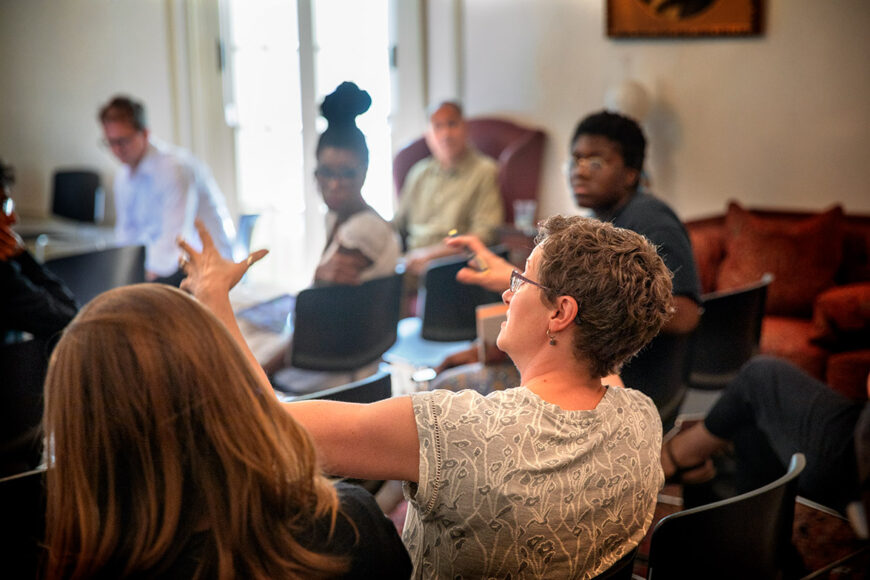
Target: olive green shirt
pixel 436 200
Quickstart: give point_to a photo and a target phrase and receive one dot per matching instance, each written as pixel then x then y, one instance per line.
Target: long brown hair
pixel 157 430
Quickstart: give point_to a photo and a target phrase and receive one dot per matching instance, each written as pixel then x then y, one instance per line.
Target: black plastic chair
pixel 747 536
pixel 22 524
pixel 622 570
pixel 449 320
pixel 343 328
pixel 78 195
pixel 661 371
pixel 728 334
pixel 91 273
pixel 448 306
pixel 368 390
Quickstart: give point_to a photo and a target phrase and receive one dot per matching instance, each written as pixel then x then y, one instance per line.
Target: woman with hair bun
pixel 360 244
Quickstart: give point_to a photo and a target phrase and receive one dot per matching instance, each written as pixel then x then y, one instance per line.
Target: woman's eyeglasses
pixel 342 174
pixel 517 281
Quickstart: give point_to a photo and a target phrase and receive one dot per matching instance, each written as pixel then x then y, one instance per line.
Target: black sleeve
pixel 32 300
pixel 372 541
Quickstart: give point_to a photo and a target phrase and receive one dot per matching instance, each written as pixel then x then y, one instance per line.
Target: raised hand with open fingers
pixel 207 271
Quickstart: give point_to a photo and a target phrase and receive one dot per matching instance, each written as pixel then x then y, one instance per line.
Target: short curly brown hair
pixel 621 285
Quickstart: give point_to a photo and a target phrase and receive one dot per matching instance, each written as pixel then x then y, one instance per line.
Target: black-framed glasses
pixel 517 281
pixel 340 173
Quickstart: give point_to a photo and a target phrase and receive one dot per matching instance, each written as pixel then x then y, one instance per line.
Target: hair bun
pixel 344 103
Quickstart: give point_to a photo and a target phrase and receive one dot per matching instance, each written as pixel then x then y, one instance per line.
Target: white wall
pixel 63 59
pixel 777 120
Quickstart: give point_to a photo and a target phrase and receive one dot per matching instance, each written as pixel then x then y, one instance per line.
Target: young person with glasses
pixel 159 191
pixel 557 477
pixel 360 244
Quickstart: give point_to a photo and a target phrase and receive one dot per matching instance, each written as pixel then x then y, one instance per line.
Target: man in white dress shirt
pixel 159 192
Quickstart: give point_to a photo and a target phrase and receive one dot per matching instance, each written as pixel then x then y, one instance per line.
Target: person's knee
pixel 762 370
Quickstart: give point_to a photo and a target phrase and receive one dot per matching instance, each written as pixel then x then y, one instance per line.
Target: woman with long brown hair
pixel 167 459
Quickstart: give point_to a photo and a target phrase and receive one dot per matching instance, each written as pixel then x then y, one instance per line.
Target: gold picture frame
pixel 664 18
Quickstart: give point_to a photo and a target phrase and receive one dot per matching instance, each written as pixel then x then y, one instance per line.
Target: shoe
pixel 686 475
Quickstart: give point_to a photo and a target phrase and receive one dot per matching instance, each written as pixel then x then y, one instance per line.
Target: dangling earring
pixel 551 337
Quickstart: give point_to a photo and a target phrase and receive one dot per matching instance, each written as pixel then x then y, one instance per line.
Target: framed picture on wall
pixel 662 18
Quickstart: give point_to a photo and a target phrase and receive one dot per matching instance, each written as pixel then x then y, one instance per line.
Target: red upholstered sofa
pixel 818 306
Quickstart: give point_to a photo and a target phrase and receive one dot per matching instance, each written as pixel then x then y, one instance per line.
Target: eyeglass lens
pixel 588 163
pixel 345 173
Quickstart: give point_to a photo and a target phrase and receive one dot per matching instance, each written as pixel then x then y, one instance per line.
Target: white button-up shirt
pixel 159 199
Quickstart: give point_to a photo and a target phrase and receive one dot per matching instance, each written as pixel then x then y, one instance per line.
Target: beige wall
pixel 777 120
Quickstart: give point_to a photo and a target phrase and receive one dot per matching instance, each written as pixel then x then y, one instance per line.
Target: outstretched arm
pixel 369 441
pixel 375 441
pixel 210 277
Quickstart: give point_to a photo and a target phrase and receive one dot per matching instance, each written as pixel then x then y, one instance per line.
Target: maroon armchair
pixel 517 150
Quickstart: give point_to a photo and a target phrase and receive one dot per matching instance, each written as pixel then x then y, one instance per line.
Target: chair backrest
pixel 728 334
pixel 622 570
pixel 368 390
pixel 91 273
pixel 517 150
pixel 342 328
pixel 449 306
pixel 77 194
pixel 22 523
pixel 22 366
pixel 747 536
pixel 661 371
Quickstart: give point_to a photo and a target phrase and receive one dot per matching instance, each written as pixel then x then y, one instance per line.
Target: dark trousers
pixel 771 410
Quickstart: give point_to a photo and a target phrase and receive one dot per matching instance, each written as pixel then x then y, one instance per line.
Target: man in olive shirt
pixel 455 188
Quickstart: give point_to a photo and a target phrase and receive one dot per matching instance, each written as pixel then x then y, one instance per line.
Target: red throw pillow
pixel 803 256
pixel 841 317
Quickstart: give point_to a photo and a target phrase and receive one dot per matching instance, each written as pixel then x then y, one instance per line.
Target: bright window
pixel 267 57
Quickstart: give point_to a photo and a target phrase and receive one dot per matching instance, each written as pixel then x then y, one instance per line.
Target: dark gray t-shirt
pixel 652 218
